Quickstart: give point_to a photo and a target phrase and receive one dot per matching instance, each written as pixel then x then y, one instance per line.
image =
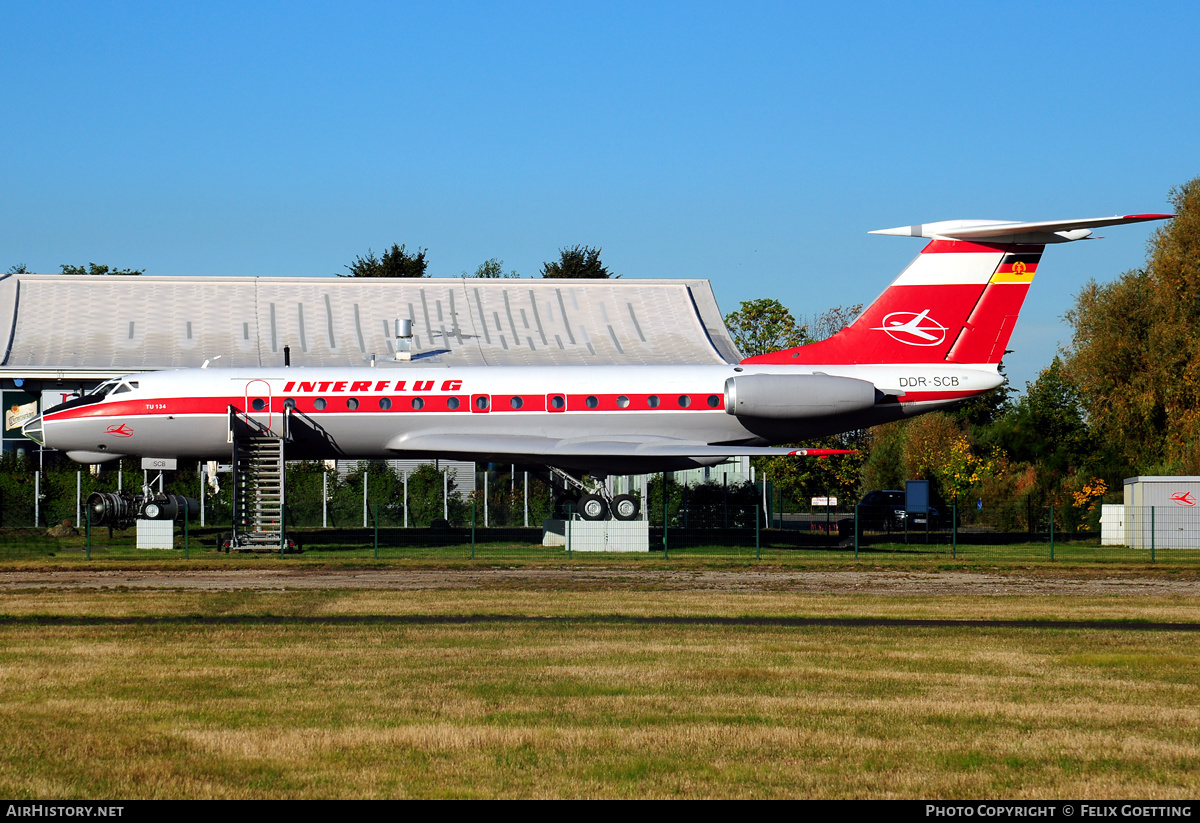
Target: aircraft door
pixel 258 402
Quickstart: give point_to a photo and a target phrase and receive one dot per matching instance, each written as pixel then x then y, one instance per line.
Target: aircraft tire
pixel 625 507
pixel 593 507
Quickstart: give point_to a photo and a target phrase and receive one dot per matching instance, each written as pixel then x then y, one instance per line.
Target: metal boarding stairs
pixel 258 483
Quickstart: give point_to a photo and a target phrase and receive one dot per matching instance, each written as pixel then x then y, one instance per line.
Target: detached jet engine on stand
pixel 122 510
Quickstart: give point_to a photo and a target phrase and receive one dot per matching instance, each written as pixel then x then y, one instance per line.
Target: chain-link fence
pixel 371 510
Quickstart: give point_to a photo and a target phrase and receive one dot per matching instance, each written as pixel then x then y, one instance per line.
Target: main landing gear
pixel 593 501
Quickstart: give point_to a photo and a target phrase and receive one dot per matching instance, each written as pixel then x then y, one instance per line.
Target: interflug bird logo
pixel 912 328
pixel 121 430
pixel 1184 498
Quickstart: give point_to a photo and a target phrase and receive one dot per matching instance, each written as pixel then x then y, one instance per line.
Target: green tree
pixel 1135 351
pixel 96 268
pixel 577 261
pixel 18 269
pixel 396 262
pixel 492 268
pixel 765 325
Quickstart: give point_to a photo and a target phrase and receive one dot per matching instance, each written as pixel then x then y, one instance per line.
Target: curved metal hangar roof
pixel 83 327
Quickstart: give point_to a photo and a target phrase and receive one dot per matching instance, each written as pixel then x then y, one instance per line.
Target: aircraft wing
pixel 550 447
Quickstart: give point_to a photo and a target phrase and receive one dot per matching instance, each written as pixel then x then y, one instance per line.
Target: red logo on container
pixel 1184 498
pixel 119 431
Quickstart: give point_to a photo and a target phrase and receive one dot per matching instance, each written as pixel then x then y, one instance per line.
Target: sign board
pixel 916 496
pixel 160 463
pixel 824 501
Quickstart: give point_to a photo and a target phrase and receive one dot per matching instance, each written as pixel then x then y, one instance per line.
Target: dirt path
pixel 1034 582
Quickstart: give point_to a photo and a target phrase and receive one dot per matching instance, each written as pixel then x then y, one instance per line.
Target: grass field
pixel 577 691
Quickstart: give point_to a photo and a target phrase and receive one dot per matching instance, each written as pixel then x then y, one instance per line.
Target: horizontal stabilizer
pixel 1009 231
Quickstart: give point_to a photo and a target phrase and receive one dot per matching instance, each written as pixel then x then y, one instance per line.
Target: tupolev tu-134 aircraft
pixel 935 337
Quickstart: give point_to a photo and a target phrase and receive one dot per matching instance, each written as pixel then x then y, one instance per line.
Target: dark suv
pixel 884 511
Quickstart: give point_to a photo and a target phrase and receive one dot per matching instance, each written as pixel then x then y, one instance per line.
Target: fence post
pixel 446 494
pixel 473 519
pixel 405 498
pixel 1052 531
pixel 954 530
pixel 376 531
pixel 666 551
pixel 187 515
pixel 366 478
pixel 525 498
pixel 757 538
pixel 37 498
pixel 1151 534
pixel 856 508
pixel 325 499
pixel 88 532
pixel 569 519
pixel 485 503
pixel 78 498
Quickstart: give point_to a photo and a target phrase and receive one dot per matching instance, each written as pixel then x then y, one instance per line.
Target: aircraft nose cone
pixel 35 431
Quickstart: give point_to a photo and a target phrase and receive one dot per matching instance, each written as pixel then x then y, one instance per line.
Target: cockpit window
pixel 124 387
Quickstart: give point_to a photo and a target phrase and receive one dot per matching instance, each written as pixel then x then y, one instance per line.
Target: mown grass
pixel 558 692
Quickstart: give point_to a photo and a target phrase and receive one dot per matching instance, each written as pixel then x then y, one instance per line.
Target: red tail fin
pixel 957 302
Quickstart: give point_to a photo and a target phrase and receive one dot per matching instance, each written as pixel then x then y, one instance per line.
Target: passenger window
pixel 258 404
pixel 557 401
pixel 481 403
pixel 714 401
pixel 385 403
pixel 452 403
pixel 319 404
pixel 623 402
pixel 418 404
pixel 652 401
pixel 592 402
pixel 684 401
pixel 352 403
pixel 516 402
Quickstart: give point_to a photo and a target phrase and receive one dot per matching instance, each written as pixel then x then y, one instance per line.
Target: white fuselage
pixel 402 409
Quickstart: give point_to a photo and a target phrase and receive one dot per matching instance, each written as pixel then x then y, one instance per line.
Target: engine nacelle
pixel 796 396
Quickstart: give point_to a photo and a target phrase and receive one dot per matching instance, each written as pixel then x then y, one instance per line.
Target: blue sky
pixel 751 144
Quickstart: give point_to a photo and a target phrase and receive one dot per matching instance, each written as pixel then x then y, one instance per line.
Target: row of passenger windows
pixel 558 402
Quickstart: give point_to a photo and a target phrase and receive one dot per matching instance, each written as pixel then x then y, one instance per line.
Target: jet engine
pixel 791 396
pixel 121 510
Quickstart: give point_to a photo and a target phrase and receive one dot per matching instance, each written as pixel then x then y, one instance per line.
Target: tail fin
pixel 957 302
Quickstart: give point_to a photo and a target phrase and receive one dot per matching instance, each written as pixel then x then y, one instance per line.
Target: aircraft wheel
pixel 562 502
pixel 593 507
pixel 625 507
